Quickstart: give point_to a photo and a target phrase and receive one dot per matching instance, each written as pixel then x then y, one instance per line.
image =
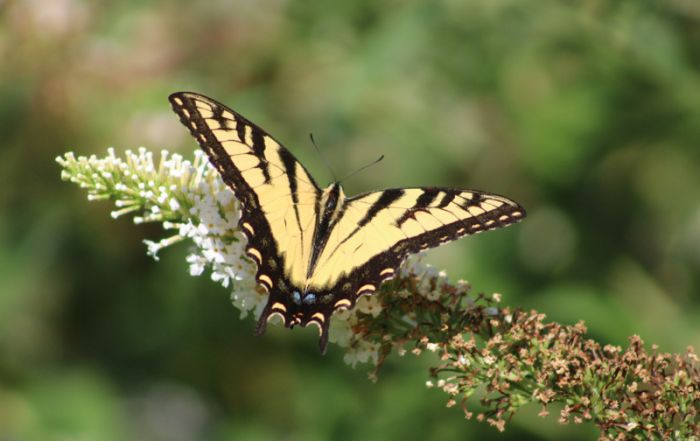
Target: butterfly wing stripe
pixel 425 199
pixel 428 196
pixel 240 131
pixel 448 198
pixel 291 169
pixel 218 116
pixel 385 200
pixel 475 200
pixel 259 150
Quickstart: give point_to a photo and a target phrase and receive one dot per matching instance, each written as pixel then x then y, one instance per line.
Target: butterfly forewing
pixel 378 230
pixel 278 196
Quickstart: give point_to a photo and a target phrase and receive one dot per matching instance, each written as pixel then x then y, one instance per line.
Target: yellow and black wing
pixel 378 230
pixel 278 197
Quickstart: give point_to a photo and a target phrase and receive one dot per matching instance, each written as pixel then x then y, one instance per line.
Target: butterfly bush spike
pixel 185 196
pixel 510 357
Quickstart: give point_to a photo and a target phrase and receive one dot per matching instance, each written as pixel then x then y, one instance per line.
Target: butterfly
pixel 316 250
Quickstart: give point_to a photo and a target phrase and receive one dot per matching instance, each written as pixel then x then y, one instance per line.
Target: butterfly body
pixel 317 250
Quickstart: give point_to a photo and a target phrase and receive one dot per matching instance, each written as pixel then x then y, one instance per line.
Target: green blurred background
pixel 587 112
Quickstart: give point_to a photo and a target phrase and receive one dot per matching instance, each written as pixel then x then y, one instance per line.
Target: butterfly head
pixel 332 198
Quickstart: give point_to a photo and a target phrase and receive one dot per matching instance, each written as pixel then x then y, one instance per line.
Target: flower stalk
pixel 508 356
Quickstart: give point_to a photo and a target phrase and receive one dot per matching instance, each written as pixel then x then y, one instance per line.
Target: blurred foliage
pixel 586 112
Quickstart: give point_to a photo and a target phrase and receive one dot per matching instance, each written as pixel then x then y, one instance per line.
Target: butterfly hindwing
pixel 278 196
pixel 379 230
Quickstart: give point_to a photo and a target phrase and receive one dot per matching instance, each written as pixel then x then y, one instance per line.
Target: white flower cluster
pixel 221 247
pixel 189 197
pixel 136 183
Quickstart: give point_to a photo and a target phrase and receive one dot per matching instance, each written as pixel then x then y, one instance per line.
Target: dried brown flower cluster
pixel 517 358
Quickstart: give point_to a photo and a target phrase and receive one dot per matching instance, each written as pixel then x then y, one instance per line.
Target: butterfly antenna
pixel 323 158
pixel 362 168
